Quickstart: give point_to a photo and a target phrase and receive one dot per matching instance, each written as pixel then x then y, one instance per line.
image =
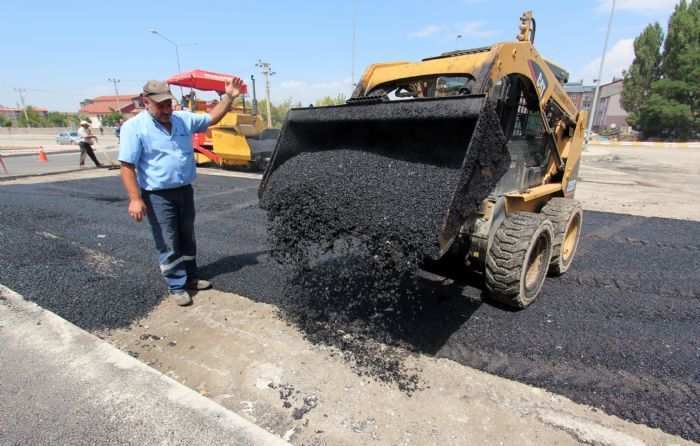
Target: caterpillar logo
pixel 539 77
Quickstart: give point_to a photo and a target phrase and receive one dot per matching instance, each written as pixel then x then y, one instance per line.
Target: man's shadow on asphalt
pixel 231 264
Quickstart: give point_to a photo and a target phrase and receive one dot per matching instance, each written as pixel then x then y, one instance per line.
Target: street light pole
pixel 600 78
pixel 177 52
pixel 267 73
pixel 352 79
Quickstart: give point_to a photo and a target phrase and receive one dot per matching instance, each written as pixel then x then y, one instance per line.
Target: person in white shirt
pixel 86 139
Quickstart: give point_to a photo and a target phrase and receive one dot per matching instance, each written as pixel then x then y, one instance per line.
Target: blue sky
pixel 62 54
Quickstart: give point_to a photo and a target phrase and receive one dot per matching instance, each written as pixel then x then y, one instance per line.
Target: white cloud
pixel 309 92
pixel 638 6
pixel 617 59
pixel 427 31
pixel 475 29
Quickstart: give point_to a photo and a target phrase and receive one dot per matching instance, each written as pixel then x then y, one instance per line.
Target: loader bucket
pixel 461 133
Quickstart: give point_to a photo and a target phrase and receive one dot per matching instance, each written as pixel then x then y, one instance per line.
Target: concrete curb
pixel 117 382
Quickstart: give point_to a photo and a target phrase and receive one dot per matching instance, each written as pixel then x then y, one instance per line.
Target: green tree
pixel 683 38
pixel 329 100
pixel 671 107
pixel 32 118
pixel 661 117
pixel 644 70
pixel 7 123
pixel 112 118
pixel 278 112
pixel 56 119
pixel 281 110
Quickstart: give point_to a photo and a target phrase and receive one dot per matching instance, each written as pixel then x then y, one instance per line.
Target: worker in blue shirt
pixel 157 169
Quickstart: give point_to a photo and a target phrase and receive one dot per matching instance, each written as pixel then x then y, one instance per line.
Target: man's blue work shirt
pixel 163 160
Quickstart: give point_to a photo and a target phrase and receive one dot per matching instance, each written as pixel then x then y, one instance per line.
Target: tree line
pixel 661 89
pixel 57 119
pixel 279 112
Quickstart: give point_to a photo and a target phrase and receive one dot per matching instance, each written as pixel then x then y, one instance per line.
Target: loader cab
pixel 435 86
pixel 517 105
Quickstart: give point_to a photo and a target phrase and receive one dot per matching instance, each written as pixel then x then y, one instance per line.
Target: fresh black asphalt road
pixel 619 331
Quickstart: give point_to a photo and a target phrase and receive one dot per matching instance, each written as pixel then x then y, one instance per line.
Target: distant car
pixel 599 138
pixel 67 138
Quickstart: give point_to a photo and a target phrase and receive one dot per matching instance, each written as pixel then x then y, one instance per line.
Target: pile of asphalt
pixel 617 332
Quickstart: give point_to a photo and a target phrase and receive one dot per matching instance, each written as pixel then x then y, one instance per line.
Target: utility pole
pixel 267 73
pixel 21 98
pixel 116 92
pixel 24 107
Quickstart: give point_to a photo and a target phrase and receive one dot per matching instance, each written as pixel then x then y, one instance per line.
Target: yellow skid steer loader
pixel 513 224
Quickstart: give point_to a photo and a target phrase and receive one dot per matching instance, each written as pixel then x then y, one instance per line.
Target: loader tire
pixel 518 259
pixel 567 218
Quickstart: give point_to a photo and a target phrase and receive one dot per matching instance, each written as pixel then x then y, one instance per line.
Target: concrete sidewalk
pixel 62 385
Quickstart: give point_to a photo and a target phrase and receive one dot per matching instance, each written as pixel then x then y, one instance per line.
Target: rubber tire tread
pixel 560 212
pixel 507 255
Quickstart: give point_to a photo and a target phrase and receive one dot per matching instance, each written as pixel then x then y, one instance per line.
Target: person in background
pixel 158 167
pixel 86 139
pixel 118 129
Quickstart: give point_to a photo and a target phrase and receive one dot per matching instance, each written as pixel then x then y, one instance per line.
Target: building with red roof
pixel 129 105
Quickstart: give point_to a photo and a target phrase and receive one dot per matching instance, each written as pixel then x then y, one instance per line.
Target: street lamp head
pixel 153 31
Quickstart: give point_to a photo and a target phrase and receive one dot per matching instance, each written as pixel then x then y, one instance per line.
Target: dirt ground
pixel 242 355
pixel 651 182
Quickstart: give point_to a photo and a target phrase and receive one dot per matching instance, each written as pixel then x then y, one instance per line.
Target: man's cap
pixel 84 123
pixel 157 91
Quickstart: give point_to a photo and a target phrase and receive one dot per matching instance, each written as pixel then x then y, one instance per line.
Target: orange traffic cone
pixel 42 155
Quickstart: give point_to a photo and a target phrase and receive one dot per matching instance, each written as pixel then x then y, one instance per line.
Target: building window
pixel 574 95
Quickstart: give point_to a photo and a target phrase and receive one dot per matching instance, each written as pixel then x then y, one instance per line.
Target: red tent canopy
pixel 203 80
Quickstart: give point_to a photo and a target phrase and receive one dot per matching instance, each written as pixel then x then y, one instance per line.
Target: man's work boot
pixel 181 297
pixel 198 284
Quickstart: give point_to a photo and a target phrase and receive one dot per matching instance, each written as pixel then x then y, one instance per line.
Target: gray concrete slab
pixel 62 385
